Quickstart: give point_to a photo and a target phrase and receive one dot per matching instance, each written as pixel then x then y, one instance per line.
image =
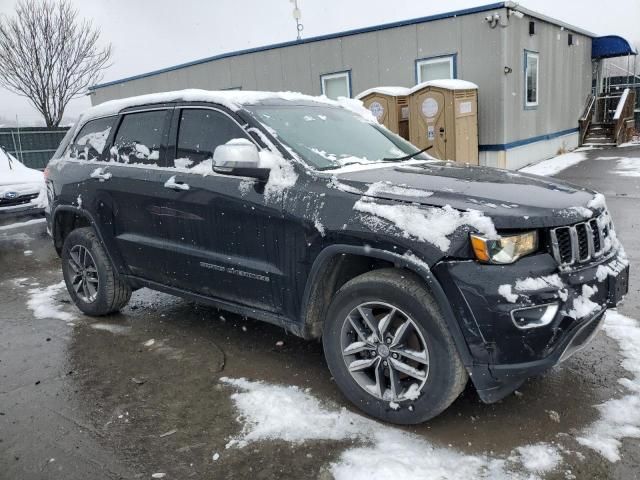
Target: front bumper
pixel 504 355
pixel 20 210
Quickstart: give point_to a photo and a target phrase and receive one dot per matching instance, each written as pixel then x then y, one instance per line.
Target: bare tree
pixel 49 56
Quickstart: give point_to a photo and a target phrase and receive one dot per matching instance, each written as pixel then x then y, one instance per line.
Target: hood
pixel 13 173
pixel 511 199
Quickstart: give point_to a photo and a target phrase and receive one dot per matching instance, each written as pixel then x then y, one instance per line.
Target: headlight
pixel 506 249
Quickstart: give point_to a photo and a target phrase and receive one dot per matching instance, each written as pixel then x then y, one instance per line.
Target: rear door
pixel 136 184
pixel 225 241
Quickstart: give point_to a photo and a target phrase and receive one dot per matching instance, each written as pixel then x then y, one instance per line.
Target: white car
pixel 22 189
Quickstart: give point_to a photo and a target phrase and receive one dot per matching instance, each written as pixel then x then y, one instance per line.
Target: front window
pixel 435 69
pixel 330 137
pixel 531 79
pixel 336 85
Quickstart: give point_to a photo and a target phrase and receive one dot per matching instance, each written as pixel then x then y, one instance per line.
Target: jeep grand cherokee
pixel 416 274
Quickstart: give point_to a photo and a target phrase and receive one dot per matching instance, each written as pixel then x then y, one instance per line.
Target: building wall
pixel 388 57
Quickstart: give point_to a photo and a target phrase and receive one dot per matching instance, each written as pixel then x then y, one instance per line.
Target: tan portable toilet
pixel 444 113
pixel 390 106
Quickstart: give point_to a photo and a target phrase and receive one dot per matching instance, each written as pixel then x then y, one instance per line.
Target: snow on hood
pixel 232 99
pixel 13 173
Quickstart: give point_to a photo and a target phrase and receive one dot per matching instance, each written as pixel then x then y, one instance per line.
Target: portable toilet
pixel 444 114
pixel 390 107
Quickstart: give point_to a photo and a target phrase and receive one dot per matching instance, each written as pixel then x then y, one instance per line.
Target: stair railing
pixel 587 117
pixel 624 117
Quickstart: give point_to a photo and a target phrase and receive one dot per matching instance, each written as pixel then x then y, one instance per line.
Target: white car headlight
pixel 505 249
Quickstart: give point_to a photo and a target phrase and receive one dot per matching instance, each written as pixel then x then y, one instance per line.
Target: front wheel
pixel 94 286
pixel 389 350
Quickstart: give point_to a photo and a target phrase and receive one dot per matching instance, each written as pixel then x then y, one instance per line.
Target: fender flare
pixel 422 270
pixel 87 215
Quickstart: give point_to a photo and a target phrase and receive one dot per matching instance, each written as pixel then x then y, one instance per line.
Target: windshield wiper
pixel 408 157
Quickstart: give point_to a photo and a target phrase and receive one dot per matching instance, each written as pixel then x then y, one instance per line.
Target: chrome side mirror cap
pixel 239 157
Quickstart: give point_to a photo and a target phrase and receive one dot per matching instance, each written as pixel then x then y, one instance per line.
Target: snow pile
pixel 43 304
pixel 335 183
pixel 271 412
pixel 628 167
pixel 386 187
pixel 540 457
pixel 282 174
pixel 611 269
pixel 554 165
pixel 620 416
pixel 428 224
pixel 598 202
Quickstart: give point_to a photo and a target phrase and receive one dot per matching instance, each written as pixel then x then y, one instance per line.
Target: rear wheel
pixel 389 350
pixel 94 286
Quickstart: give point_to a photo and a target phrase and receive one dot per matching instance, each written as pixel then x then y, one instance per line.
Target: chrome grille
pixel 581 242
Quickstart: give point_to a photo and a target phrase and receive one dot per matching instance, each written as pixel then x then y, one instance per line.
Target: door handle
pixel 173 185
pixel 101 174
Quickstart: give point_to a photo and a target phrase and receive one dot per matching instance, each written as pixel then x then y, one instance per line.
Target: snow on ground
pixel 11 226
pixel 554 165
pixel 431 225
pixel 628 167
pixel 43 303
pixel 273 412
pixel 620 417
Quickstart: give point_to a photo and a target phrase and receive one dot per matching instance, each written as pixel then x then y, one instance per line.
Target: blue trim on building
pixel 527 141
pixel 446 55
pixel 348 72
pixel 385 26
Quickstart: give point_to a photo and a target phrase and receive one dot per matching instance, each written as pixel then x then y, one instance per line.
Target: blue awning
pixel 611 46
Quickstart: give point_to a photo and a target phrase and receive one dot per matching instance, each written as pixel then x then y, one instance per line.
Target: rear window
pixel 90 141
pixel 139 137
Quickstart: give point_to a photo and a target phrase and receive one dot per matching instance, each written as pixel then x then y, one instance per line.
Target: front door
pixel 224 239
pixel 431 123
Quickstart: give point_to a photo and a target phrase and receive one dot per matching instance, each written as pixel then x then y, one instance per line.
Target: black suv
pixel 417 274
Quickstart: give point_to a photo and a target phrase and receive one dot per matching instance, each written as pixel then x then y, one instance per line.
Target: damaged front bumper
pixel 519 320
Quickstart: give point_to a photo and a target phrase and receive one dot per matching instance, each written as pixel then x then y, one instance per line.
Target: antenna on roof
pixel 297 15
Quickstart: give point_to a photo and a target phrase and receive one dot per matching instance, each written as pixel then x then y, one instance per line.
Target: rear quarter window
pixel 139 137
pixel 90 142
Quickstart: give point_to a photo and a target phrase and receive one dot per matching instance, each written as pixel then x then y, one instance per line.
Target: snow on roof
pixel 232 99
pixel 449 83
pixel 394 91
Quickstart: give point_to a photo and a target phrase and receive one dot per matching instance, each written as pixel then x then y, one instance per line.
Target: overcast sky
pixel 151 34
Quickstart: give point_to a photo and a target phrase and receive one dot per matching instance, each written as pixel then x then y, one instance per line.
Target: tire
pixel 438 382
pixel 105 291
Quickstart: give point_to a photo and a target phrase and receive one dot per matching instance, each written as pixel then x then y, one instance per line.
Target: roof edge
pixel 319 38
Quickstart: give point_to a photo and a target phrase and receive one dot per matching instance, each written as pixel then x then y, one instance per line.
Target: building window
pixel 437 68
pixel 336 85
pixel 531 79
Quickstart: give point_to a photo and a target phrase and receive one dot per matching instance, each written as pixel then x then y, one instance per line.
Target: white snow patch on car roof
pixel 14 172
pixel 232 99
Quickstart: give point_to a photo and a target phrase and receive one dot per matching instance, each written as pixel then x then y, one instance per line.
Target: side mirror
pixel 240 158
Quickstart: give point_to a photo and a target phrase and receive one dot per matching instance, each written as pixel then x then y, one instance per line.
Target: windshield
pixel 330 137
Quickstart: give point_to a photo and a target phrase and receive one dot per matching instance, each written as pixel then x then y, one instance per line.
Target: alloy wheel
pixel 84 279
pixel 385 352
